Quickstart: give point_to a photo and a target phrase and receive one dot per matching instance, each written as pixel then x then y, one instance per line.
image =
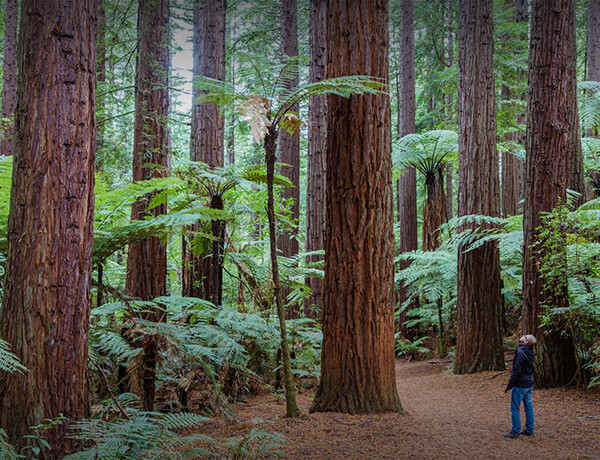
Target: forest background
pixel 187 307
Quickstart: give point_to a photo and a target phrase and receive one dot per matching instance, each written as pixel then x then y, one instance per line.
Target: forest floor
pixel 448 417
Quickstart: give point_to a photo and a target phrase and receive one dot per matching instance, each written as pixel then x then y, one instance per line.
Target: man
pixel 521 383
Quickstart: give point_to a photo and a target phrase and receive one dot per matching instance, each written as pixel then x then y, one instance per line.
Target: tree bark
pixel 46 304
pixel 550 119
pixel 9 77
pixel 357 370
pixel 289 144
pixel 512 166
pixel 407 183
pixel 434 210
pixel 147 259
pixel 593 41
pixel 290 390
pixel 315 188
pixel 479 300
pixel 203 274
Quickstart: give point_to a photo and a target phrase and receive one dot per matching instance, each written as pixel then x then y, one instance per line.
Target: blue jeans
pixel 518 395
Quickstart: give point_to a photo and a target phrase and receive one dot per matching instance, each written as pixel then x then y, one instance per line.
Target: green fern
pixel 8 360
pixel 146 435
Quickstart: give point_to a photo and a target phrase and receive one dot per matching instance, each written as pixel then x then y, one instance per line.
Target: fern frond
pixel 9 361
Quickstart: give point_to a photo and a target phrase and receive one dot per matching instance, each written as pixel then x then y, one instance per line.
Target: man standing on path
pixel 521 383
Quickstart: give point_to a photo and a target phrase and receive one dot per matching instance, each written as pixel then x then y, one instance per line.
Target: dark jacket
pixel 522 371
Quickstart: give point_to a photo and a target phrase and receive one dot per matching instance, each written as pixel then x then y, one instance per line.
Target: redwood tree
pixel 550 127
pixel 147 258
pixel 203 275
pixel 407 183
pixel 479 300
pixel 46 303
pixel 512 165
pixel 289 144
pixel 357 370
pixel 9 77
pixel 315 187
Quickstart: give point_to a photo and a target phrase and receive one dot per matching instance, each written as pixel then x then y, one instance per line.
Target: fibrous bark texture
pixel 289 144
pixel 479 302
pixel 512 165
pixel 9 77
pixel 550 118
pixel 46 304
pixel 357 371
pixel 407 183
pixel 202 275
pixel 147 258
pixel 315 188
pixel 593 41
pixel 434 210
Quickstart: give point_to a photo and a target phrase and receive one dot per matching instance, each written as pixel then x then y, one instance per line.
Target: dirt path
pixel 449 417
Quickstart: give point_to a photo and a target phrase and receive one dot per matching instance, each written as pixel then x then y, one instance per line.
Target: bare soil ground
pixel 448 417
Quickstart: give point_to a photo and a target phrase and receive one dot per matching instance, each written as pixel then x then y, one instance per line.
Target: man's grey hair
pixel 531 340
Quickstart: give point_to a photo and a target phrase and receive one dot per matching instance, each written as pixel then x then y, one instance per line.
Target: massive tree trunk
pixel 203 275
pixel 550 124
pixel 479 302
pixel 512 165
pixel 46 304
pixel 593 41
pixel 357 371
pixel 593 74
pixel 315 188
pixel 289 144
pixel 9 77
pixel 407 183
pixel 576 172
pixel 450 62
pixel 147 258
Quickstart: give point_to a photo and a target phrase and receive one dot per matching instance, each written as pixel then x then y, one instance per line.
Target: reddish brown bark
pixel 407 183
pixel 147 259
pixel 550 119
pixel 46 304
pixel 479 301
pixel 357 371
pixel 593 41
pixel 9 77
pixel 315 187
pixel 203 275
pixel 512 166
pixel 434 210
pixel 289 144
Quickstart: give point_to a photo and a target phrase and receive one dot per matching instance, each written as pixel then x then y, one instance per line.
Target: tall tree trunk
pixel 204 274
pixel 434 210
pixel 147 258
pixel 407 183
pixel 550 119
pixel 315 188
pixel 593 41
pixel 479 300
pixel 593 74
pixel 512 166
pixel 100 78
pixel 289 144
pixel 290 390
pixel 46 304
pixel 9 77
pixel 357 370
pixel 450 62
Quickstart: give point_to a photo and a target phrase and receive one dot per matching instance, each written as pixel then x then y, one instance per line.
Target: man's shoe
pixel 526 433
pixel 511 434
